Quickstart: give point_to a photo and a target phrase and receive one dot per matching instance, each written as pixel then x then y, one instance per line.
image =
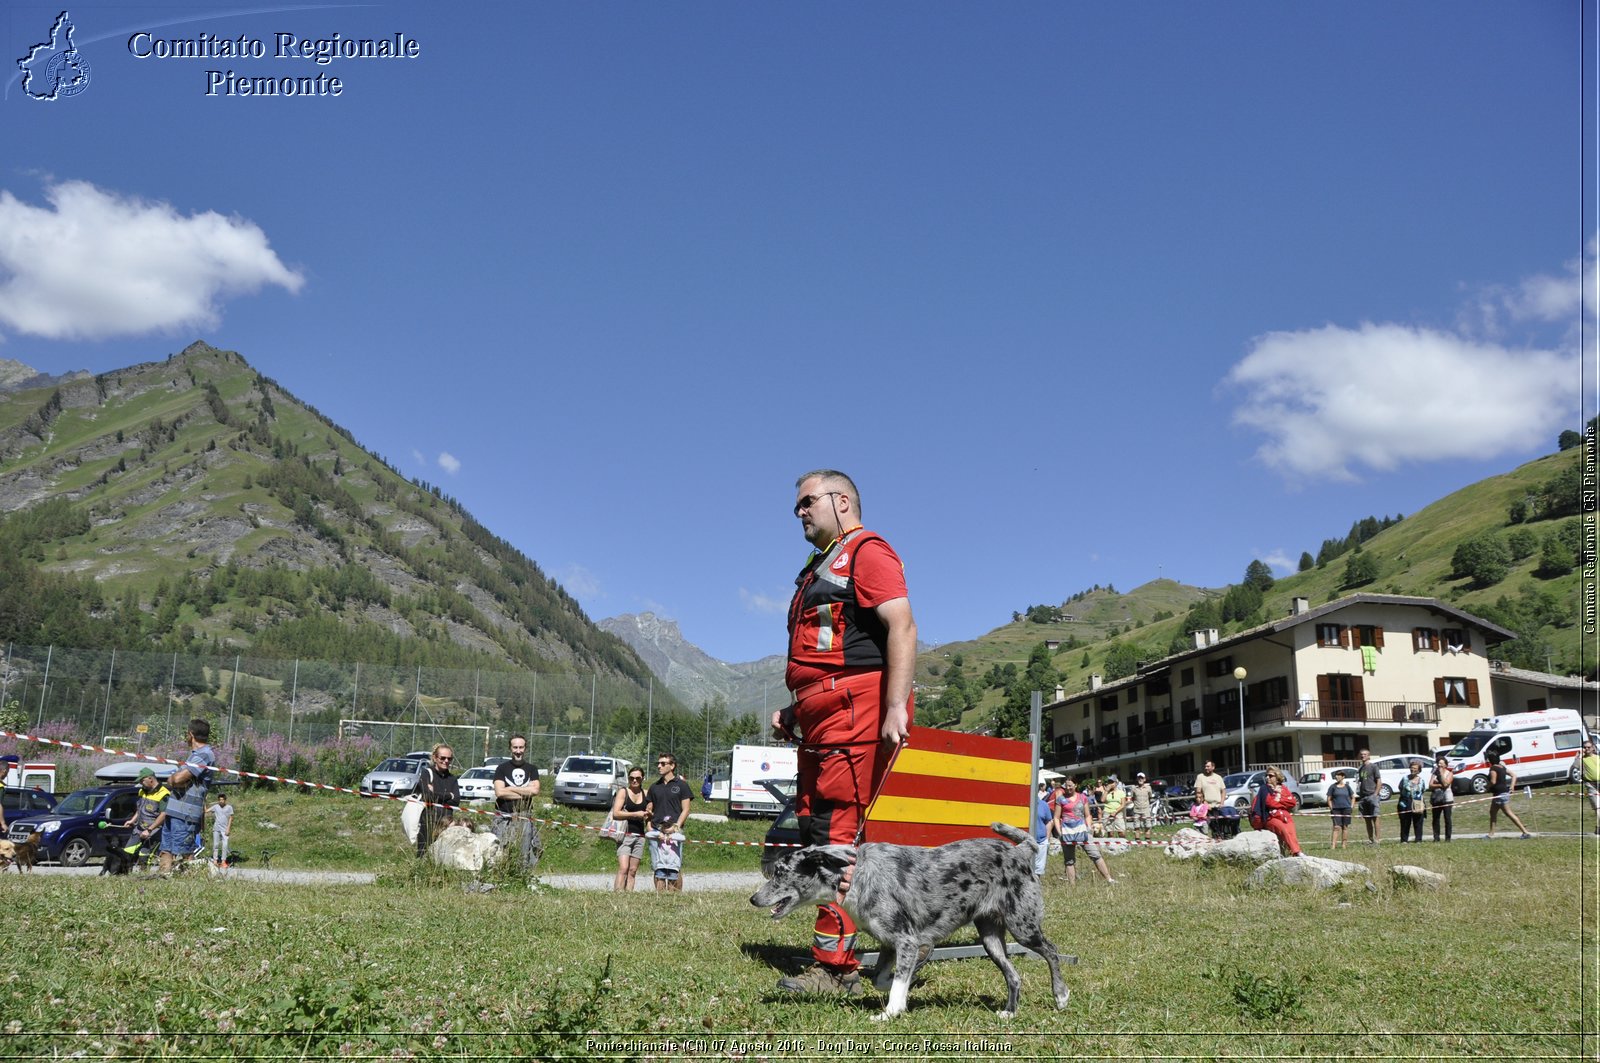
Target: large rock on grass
pixel 1188 843
pixel 459 847
pixel 1407 876
pixel 1313 871
pixel 1249 849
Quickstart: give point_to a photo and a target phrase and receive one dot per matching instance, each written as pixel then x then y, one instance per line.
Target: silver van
pixel 590 780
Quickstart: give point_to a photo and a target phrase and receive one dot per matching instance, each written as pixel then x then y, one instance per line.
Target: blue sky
pixel 1079 292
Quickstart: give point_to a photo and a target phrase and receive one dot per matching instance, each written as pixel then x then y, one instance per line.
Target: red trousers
pixel 841 762
pixel 1282 824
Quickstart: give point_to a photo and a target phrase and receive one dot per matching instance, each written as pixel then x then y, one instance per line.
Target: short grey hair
pixel 834 479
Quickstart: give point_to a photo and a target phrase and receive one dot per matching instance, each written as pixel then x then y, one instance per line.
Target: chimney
pixel 1061 692
pixel 1094 681
pixel 1203 637
pixel 1299 606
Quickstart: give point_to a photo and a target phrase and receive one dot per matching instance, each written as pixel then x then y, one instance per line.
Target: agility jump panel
pixel 946 785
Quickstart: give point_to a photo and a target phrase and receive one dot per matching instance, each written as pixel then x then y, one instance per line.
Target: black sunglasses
pixel 808 501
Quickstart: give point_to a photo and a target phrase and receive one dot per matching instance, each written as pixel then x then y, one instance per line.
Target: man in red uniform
pixel 852 650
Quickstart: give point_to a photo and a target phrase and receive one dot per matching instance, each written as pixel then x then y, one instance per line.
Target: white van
pixel 751 764
pixel 1540 746
pixel 590 780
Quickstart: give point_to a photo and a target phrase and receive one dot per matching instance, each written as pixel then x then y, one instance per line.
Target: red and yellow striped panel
pixel 945 786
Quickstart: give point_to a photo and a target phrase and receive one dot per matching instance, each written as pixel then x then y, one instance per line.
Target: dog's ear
pixel 834 857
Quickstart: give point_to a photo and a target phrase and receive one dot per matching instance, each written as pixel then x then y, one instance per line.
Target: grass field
pixel 1177 961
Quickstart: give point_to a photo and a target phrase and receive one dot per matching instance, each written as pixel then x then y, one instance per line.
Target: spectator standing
pixel 1209 789
pixel 441 791
pixel 221 829
pixel 1367 783
pixel 1043 827
pixel 630 809
pixel 1115 816
pixel 1442 795
pixel 1413 788
pixel 668 804
pixel 516 784
pixel 1502 780
pixel 149 815
pixel 1072 824
pixel 1341 803
pixel 186 808
pixel 1591 778
pixel 1140 798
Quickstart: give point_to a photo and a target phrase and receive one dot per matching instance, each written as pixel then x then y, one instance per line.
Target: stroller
pixel 1224 822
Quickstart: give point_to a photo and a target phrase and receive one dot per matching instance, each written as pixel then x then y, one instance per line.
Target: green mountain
pixel 1509 548
pixel 195 505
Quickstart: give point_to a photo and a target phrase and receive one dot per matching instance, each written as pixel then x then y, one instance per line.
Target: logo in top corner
pixel 55 69
pixel 841 561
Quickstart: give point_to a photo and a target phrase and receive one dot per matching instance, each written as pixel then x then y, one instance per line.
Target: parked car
pixel 1175 794
pixel 83 824
pixel 1314 785
pixel 1242 786
pixel 19 801
pixel 477 784
pixel 590 780
pixel 784 833
pixel 395 777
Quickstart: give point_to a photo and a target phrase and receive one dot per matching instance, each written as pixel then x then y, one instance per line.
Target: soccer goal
pixel 396 738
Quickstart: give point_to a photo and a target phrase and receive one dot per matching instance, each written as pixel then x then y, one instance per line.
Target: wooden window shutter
pixel 1358 693
pixel 1377 637
pixel 1438 691
pixel 1344 636
pixel 1416 639
pixel 1472 692
pixel 1324 690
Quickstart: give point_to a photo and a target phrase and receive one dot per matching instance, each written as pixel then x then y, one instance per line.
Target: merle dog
pixel 911 898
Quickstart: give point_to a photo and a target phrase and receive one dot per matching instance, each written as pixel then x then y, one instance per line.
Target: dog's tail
pixel 1006 830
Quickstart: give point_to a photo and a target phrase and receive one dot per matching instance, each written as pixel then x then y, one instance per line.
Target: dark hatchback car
pixel 72 831
pixel 20 801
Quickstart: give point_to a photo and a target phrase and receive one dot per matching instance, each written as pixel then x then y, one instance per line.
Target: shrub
pixel 1485 560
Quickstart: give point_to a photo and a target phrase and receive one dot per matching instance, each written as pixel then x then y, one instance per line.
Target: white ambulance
pixel 751 764
pixel 1540 746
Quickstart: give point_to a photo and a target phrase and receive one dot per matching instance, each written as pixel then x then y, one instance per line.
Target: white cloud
pixel 1282 562
pixel 755 602
pixel 579 582
pixel 1566 300
pixel 95 264
pixel 1334 399
pixel 449 462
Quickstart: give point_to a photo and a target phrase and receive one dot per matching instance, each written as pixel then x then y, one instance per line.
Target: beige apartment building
pixel 1389 673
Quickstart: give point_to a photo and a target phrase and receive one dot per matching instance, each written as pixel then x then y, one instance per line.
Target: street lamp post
pixel 1239 673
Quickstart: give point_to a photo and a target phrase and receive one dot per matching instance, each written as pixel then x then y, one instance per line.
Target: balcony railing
pixel 1227 722
pixel 1421 712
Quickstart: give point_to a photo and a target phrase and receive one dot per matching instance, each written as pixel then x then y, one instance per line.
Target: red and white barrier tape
pixel 456 810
